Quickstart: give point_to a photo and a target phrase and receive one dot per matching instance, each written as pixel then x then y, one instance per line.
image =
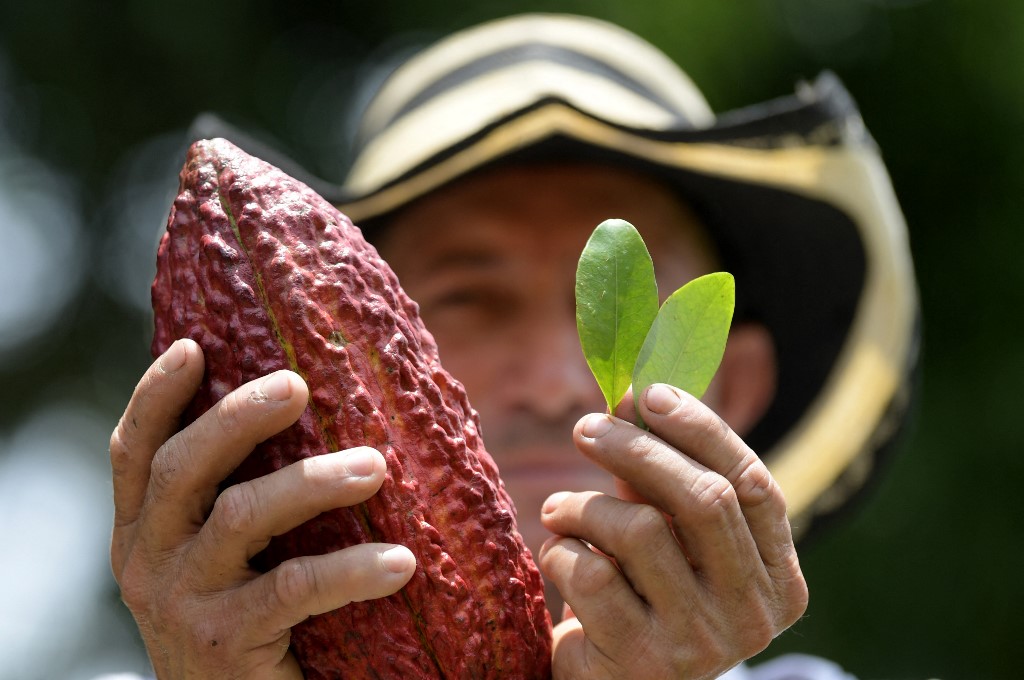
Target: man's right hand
pixel 180 549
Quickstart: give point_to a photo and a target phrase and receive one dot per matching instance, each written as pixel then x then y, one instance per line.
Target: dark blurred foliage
pixel 922 580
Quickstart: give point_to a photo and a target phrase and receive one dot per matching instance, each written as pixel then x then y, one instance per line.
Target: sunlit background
pixel 923 581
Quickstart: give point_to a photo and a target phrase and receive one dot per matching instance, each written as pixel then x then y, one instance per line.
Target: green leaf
pixel 687 340
pixel 616 302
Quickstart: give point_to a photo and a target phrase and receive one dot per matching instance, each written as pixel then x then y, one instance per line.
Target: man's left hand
pixel 692 570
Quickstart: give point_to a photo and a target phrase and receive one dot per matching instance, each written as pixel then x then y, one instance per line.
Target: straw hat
pixel 793 191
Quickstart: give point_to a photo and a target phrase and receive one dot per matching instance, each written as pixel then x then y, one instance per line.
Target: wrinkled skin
pixel 694 568
pixel 180 551
pixel 494 276
pixel 264 274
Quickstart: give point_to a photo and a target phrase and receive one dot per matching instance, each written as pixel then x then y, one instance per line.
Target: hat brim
pixel 800 204
pixel 793 191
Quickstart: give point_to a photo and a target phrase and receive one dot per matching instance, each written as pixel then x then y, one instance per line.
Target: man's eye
pixel 468 304
pixel 459 298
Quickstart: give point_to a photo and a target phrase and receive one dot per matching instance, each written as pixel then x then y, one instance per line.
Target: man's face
pixel 492 263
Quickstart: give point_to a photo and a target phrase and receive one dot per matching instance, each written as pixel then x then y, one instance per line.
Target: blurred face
pixel 492 263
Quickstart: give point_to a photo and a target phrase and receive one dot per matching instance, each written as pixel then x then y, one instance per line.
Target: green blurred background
pixel 923 581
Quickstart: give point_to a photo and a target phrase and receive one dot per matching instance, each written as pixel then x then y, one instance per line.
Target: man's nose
pixel 557 382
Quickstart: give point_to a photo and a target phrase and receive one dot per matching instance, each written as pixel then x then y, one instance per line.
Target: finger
pixel 247 515
pixel 626 410
pixel 573 655
pixel 187 470
pixel 689 425
pixel 627 407
pixel 636 535
pixel 705 514
pixel 151 417
pixel 598 594
pixel 306 586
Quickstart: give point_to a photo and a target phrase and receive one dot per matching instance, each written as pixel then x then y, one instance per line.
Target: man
pixel 485 163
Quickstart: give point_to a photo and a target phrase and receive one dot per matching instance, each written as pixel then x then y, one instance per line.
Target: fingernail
pixel 174 358
pixel 397 560
pixel 277 387
pixel 661 399
pixel 359 462
pixel 596 425
pixel 553 501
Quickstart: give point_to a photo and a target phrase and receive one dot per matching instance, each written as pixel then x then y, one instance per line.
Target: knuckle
pixel 748 627
pixel 594 574
pixel 755 485
pixel 758 632
pixel 295 582
pixel 166 467
pixel 646 525
pixel 163 599
pixel 706 656
pixel 798 599
pixel 793 593
pixel 714 495
pixel 237 509
pixel 171 464
pixel 765 614
pixel 735 628
pixel 133 580
pixel 123 540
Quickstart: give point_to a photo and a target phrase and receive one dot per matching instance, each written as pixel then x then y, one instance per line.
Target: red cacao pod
pixel 265 274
